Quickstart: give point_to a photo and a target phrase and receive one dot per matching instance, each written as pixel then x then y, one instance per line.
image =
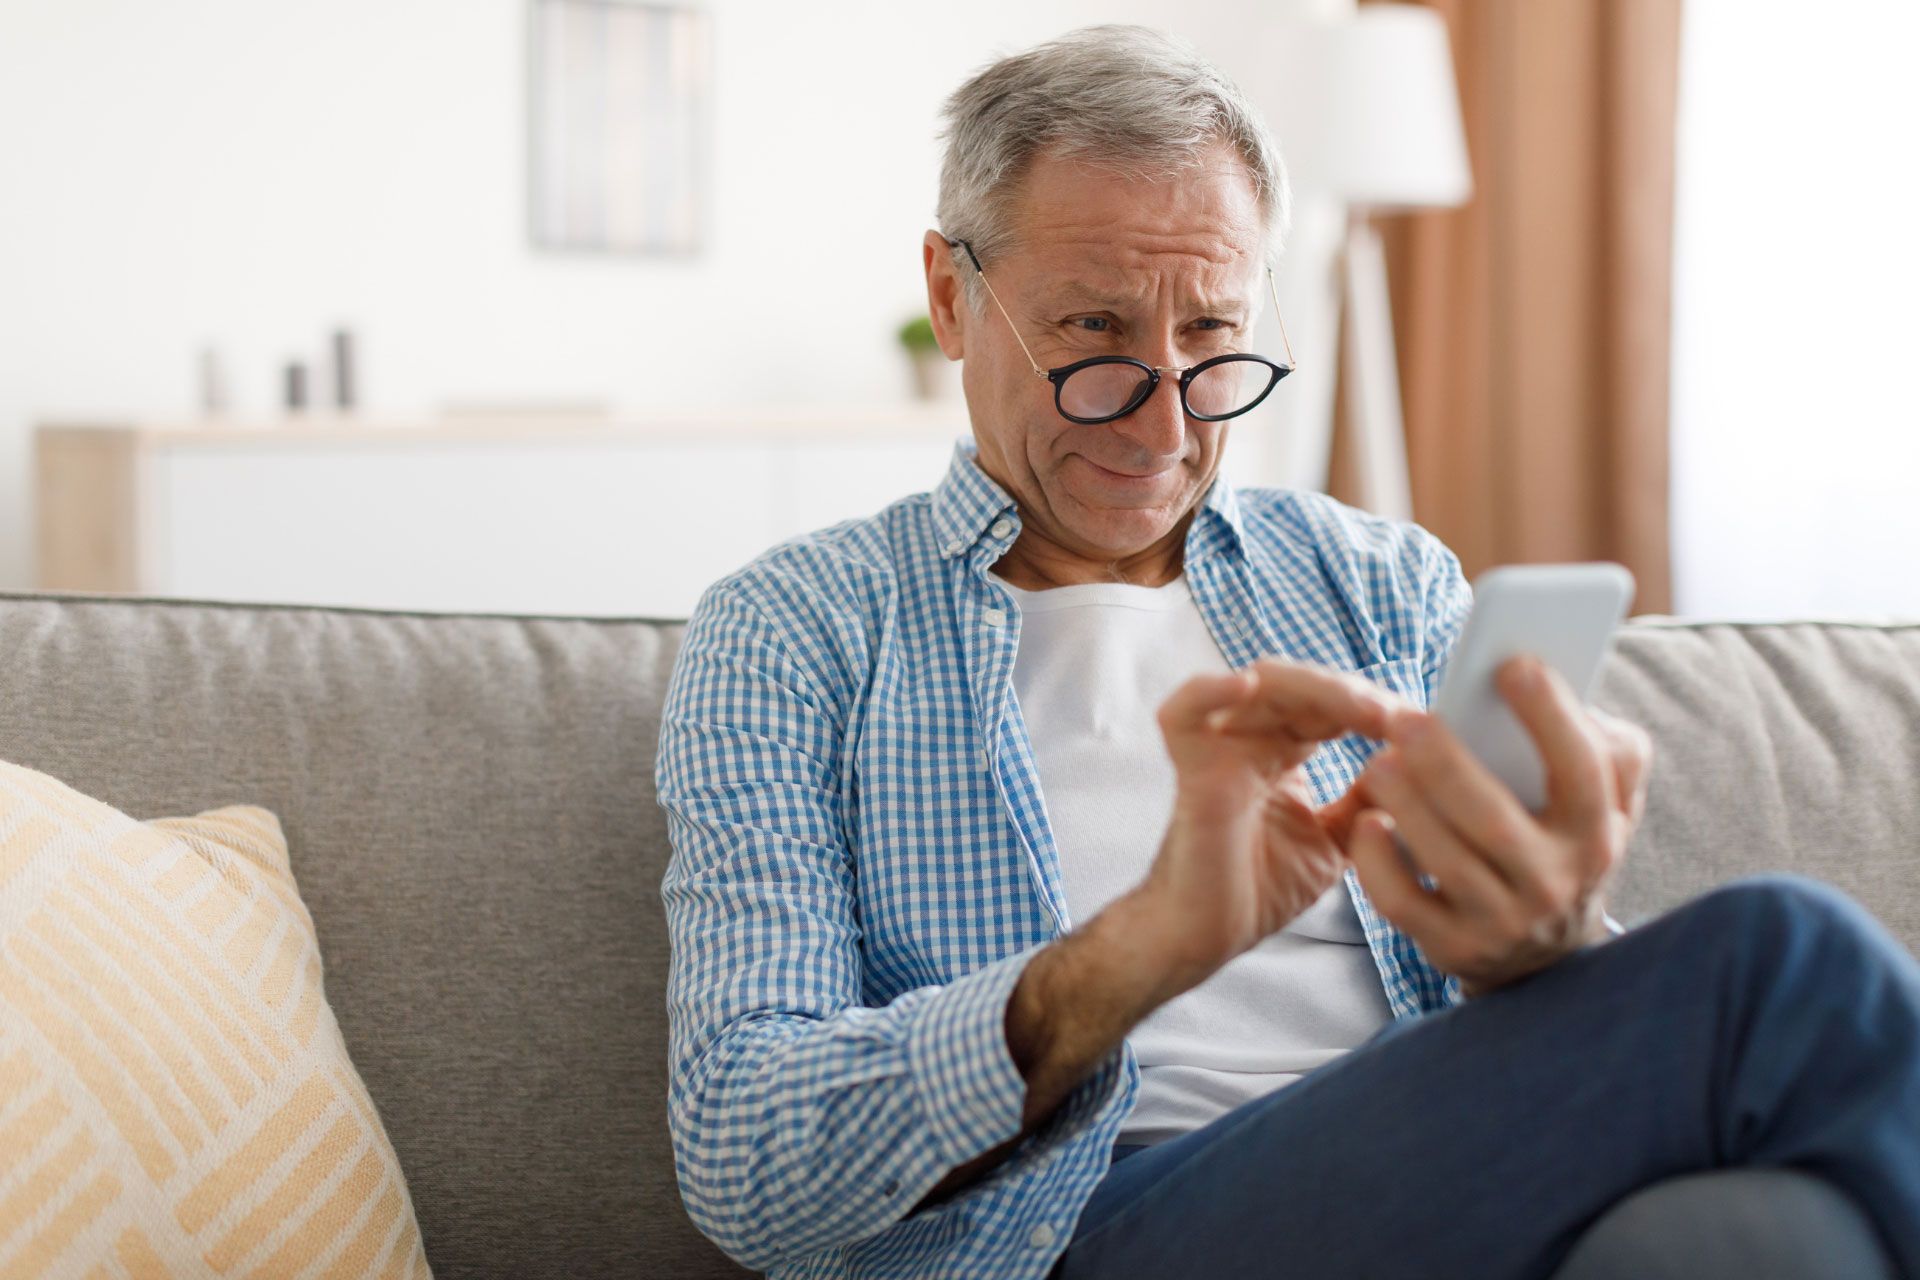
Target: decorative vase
pixel 933 375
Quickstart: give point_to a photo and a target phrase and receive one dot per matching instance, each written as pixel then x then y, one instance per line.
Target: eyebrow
pixel 1076 294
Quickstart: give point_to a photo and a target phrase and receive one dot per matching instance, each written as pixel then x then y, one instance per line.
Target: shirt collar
pixel 1218 526
pixel 968 504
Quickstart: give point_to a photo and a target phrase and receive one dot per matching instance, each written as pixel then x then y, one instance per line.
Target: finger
pixel 1337 816
pixel 1315 703
pixel 1300 822
pixel 1396 894
pixel 1579 781
pixel 1479 806
pixel 1467 879
pixel 1630 748
pixel 1188 707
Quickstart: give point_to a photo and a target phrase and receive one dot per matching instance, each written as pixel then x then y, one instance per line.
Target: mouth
pixel 1128 477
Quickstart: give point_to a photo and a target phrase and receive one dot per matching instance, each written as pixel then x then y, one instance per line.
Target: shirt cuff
pixel 972 1094
pixel 1081 1108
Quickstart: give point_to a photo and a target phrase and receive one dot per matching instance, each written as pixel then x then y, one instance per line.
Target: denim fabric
pixel 1769 1023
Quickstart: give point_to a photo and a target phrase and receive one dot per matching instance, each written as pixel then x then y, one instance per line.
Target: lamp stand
pixel 1379 441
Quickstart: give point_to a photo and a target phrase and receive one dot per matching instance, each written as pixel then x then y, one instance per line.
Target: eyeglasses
pixel 1104 388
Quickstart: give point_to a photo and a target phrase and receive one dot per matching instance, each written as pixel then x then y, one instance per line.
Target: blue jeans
pixel 1769 1023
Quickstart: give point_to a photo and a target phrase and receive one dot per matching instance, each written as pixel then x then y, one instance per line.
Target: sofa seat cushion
pixel 175 1096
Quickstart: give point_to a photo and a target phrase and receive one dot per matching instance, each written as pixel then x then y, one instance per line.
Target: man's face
pixel 1105 265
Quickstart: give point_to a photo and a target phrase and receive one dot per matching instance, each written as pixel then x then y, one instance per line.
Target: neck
pixel 1033 563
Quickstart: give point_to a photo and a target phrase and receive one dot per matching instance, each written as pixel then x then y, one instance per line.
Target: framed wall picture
pixel 619 96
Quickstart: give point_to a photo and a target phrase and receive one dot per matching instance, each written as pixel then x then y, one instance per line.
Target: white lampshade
pixel 1367 109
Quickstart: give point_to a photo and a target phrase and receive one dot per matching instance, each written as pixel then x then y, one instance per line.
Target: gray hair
pixel 1128 98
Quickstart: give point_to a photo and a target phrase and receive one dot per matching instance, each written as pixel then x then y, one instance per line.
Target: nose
pixel 1159 426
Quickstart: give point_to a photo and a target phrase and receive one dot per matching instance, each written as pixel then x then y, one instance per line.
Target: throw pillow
pixel 175 1098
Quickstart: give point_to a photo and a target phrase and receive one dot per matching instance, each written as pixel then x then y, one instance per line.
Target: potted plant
pixel 932 374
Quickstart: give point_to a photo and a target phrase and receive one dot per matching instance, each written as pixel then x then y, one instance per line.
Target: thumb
pixel 1337 815
pixel 1188 708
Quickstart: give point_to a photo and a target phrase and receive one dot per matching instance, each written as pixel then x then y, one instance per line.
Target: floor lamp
pixel 1389 140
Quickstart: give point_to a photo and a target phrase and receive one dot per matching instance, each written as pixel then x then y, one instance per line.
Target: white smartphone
pixel 1564 614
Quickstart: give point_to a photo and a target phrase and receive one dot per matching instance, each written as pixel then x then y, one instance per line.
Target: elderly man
pixel 1037 901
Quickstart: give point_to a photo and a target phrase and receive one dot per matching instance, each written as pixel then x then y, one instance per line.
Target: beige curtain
pixel 1532 323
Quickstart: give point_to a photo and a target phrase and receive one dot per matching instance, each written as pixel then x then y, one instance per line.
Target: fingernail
pixel 1410 725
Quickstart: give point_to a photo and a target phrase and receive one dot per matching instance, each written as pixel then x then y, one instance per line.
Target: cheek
pixel 1018 435
pixel 1200 456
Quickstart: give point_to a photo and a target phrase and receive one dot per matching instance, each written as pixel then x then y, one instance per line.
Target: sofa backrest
pixel 469 805
pixel 1780 746
pixel 469 802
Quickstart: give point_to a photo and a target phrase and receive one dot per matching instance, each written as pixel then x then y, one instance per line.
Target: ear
pixel 946 298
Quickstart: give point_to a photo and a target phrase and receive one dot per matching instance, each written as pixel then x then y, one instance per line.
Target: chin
pixel 1121 530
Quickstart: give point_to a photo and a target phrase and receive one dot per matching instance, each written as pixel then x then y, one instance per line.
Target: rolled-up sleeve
pixel 1446 600
pixel 801 1119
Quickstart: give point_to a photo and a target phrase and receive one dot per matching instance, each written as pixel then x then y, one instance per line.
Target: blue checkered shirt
pixel 862 864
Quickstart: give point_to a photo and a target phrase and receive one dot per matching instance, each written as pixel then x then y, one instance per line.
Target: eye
pixel 1211 322
pixel 1092 324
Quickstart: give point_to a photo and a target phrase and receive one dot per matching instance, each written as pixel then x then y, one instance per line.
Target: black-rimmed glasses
pixel 1103 388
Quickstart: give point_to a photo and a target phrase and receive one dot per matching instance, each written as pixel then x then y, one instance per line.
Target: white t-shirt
pixel 1094 664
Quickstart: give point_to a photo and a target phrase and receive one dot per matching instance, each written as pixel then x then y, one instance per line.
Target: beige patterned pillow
pixel 175 1099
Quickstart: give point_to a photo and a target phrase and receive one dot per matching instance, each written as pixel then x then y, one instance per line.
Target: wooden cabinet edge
pixel 89 499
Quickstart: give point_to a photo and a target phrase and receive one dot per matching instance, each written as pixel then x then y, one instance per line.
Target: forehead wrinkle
pixel 1082 293
pixel 1118 289
pixel 1206 247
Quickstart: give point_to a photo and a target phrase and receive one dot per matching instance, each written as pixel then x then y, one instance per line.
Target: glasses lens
pixel 1227 387
pixel 1101 390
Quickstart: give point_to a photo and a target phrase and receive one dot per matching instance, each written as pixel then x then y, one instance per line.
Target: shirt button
pixel 994 617
pixel 1001 528
pixel 1041 1236
pixel 955 548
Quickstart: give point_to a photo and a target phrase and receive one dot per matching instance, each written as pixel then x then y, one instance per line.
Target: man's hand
pixel 1515 891
pixel 1246 851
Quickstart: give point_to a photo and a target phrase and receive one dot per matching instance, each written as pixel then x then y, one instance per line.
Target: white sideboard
pixel 603 517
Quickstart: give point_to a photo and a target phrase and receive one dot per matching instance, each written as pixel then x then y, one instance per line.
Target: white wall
pixel 1796 410
pixel 251 172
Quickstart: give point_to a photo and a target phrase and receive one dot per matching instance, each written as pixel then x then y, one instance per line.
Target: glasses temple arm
pixel 1034 364
pixel 1274 290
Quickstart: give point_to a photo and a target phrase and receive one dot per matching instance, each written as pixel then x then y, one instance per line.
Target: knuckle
pixel 1504 831
pixel 1390 900
pixel 1592 777
pixel 1510 928
pixel 1382 777
pixel 1559 893
pixel 1285 669
pixel 1427 751
pixel 1392 907
pixel 1607 851
pixel 1482 956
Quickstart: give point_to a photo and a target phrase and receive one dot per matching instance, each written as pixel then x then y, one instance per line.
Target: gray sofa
pixel 470 806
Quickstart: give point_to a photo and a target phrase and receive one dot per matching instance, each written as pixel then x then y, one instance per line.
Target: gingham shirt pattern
pixel 862 864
